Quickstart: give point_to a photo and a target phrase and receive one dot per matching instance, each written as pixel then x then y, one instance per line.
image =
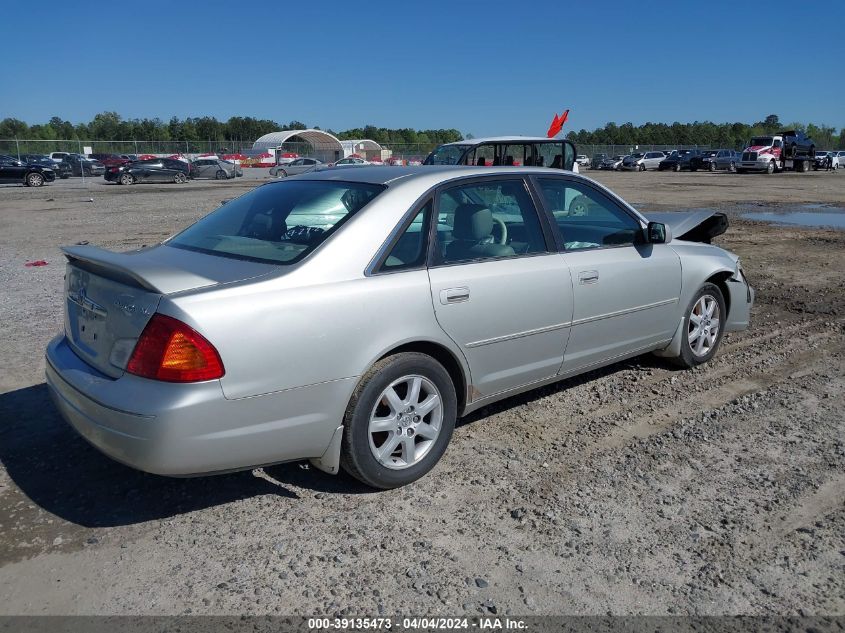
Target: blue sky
pixel 482 67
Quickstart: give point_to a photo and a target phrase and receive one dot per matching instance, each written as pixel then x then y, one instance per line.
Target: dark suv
pixel 61 168
pixel 82 165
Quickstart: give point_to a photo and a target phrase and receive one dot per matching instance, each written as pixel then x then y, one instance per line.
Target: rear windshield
pixel 278 223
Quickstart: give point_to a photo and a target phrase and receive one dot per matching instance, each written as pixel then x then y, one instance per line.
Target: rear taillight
pixel 171 351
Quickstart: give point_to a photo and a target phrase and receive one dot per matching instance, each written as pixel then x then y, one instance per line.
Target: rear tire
pixel 399 421
pixel 701 340
pixel 180 178
pixel 732 167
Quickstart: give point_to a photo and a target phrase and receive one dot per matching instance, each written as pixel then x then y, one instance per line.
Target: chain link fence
pixel 17 147
pixel 407 152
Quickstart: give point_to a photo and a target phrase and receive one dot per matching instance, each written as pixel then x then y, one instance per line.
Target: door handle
pixel 454 295
pixel 588 276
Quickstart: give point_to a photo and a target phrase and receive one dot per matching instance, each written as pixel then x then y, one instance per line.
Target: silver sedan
pixel 296 167
pixel 214 168
pixel 349 317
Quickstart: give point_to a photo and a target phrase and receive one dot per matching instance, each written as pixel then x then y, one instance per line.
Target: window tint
pixel 483 156
pixel 409 251
pixel 585 217
pixel 279 223
pixel 552 155
pixel 487 220
pixel 516 155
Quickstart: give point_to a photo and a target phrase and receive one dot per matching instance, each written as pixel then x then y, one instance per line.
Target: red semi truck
pixel 785 150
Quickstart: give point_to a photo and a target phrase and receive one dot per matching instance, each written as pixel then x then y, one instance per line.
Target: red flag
pixel 563 117
pixel 554 128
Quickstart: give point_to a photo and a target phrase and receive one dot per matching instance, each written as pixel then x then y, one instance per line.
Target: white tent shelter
pixel 363 147
pixel 323 145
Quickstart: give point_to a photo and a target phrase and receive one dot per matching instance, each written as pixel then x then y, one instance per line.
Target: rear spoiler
pixel 136 268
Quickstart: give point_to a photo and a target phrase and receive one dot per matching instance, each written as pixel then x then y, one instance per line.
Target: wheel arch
pixel 720 280
pixel 445 357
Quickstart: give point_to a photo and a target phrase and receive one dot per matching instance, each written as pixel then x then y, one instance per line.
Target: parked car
pixel 821 157
pixel 702 160
pixel 641 161
pixel 597 160
pixel 583 160
pixel 297 322
pixel 82 165
pixel 150 170
pixel 130 157
pixel 110 160
pixel 349 160
pixel 679 160
pixel 725 159
pixel 59 156
pixel 13 170
pixel 396 161
pixel 296 166
pixel 215 168
pixel 61 168
pixel 614 163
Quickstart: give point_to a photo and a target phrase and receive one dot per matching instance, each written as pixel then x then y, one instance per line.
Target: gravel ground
pixel 636 489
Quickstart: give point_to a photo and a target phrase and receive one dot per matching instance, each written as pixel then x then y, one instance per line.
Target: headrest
pixel 472 222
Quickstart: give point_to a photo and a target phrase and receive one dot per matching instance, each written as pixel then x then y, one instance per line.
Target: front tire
pixel 678 167
pixel 703 327
pixel 399 421
pixel 220 175
pixel 712 166
pixel 127 179
pixel 770 168
pixel 34 180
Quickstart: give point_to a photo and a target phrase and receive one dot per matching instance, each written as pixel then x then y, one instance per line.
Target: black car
pixel 150 170
pixel 61 168
pixel 597 160
pixel 679 159
pixel 14 170
pixel 80 165
pixel 702 161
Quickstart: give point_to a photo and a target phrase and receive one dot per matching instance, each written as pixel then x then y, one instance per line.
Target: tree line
pixel 723 135
pixel 110 126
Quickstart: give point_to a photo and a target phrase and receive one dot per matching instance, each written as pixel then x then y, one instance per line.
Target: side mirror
pixel 658 233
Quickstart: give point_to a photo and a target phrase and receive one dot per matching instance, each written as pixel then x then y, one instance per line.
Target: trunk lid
pixel 110 297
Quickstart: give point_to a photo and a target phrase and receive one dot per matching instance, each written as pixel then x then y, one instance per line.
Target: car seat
pixel 473 233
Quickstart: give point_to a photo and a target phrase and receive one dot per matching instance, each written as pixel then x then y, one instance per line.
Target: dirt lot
pixel 634 489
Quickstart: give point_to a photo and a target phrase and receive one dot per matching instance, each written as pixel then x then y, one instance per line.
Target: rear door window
pixel 409 251
pixel 487 220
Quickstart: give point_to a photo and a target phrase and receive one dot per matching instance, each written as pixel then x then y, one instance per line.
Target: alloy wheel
pixel 405 422
pixel 703 329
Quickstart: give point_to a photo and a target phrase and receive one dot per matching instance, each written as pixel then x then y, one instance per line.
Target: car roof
pixel 387 174
pixel 505 139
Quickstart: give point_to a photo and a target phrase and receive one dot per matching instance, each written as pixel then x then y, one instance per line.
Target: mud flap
pixel 673 350
pixel 329 462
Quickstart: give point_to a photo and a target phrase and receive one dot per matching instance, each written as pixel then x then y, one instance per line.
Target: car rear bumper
pixel 191 429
